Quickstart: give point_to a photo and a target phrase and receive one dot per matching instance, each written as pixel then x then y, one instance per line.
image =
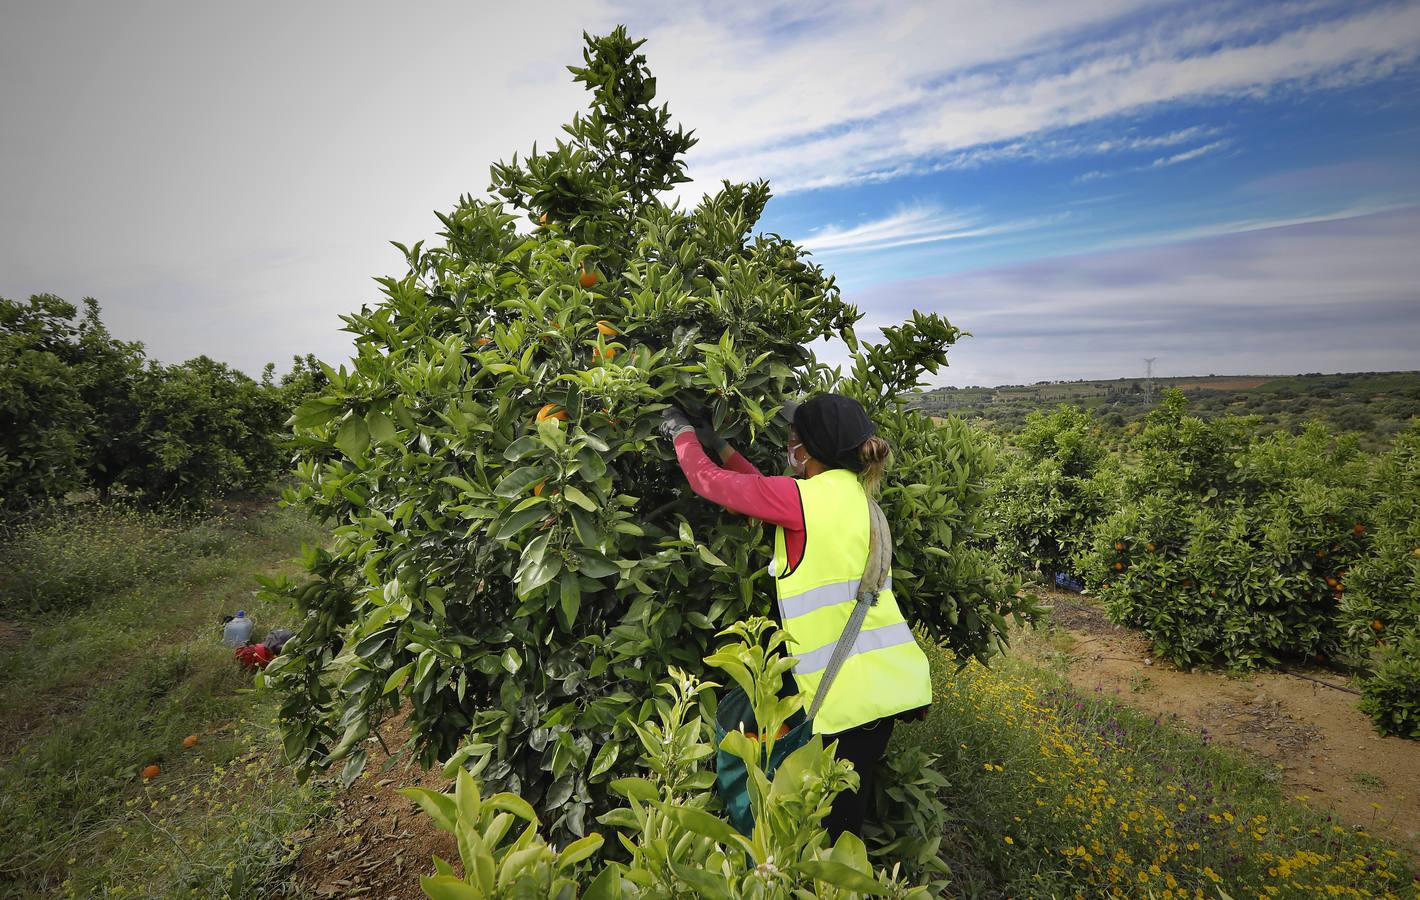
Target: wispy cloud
pixel 1328 294
pixel 865 95
pixel 912 226
pixel 1186 155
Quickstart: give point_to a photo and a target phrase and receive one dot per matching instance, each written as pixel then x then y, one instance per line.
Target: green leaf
pixel 577 851
pixel 397 678
pixel 447 887
pixel 605 758
pixel 709 557
pixel 607 885
pixel 576 496
pixel 512 661
pixel 353 438
pixel 440 807
pixel 514 804
pixel 841 876
pixel 380 427
pixel 711 826
pixel 595 565
pixel 570 598
pixel 517 482
pixel 522 447
pixel 703 882
pixel 642 789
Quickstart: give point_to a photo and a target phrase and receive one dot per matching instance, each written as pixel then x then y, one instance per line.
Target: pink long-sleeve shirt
pixel 739 487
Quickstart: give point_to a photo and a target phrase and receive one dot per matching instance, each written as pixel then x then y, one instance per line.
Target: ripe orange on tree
pixel 1118 545
pixel 1377 625
pixel 605 329
pixel 551 411
pixel 537 488
pixel 1359 529
pixel 588 278
pixel 1119 567
pixel 604 353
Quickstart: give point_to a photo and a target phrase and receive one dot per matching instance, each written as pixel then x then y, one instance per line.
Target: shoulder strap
pixel 874 574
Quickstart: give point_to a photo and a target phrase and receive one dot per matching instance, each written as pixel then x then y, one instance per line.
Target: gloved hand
pixel 710 439
pixel 673 422
pixel 706 434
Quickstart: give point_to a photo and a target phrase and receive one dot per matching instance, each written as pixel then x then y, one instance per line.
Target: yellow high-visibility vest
pixel 887 673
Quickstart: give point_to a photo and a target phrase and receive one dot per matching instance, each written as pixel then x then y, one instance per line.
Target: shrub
pixel 1056 486
pixel 1380 610
pixel 43 418
pixel 677 846
pixel 517 556
pixel 1228 548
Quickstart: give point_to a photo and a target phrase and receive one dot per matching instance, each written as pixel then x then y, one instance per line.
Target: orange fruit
pixel 151 772
pixel 542 219
pixel 1359 529
pixel 551 411
pixel 190 741
pixel 1119 567
pixel 588 278
pixel 484 341
pixel 605 353
pixel 1149 547
pixel 537 488
pixel 1118 545
pixel 604 328
pixel 1320 554
pixel 1331 581
pixel 1377 624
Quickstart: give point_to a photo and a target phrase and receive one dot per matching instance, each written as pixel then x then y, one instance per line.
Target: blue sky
pixel 1230 187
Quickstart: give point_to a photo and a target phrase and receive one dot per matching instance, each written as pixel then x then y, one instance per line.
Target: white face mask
pixel 796 465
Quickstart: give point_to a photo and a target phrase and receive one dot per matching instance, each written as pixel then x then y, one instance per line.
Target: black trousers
pixel 864 747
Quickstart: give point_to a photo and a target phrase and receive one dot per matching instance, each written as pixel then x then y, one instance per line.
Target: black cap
pixel 832 427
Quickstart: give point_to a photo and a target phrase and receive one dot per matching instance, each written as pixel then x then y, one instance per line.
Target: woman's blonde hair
pixel 873 455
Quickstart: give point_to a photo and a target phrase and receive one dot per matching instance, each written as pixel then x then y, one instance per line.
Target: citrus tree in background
pixel 517 558
pixel 1380 608
pixel 1057 483
pixel 1232 548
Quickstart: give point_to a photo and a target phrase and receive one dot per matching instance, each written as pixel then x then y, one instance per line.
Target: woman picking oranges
pixel 822 533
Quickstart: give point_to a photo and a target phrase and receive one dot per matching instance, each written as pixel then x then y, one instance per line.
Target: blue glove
pixel 673 422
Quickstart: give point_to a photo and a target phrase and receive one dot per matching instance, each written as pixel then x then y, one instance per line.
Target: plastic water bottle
pixel 237 632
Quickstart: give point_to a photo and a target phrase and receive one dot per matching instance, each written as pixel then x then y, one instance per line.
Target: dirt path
pixel 376 843
pixel 1324 748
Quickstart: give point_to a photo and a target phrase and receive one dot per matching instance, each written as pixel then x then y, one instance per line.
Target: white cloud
pixel 910 226
pixel 1330 294
pixel 1187 155
pixel 873 91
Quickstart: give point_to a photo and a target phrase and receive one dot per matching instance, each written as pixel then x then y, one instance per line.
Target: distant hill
pixel 1376 404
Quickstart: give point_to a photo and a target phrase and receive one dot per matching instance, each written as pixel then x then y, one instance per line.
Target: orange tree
pixel 1230 547
pixel 1058 482
pixel 1380 609
pixel 516 557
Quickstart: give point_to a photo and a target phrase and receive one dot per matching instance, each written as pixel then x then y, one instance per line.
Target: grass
pixel 1055 793
pixel 92 697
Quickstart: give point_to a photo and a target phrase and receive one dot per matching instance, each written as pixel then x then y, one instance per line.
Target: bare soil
pixel 375 842
pixel 1324 749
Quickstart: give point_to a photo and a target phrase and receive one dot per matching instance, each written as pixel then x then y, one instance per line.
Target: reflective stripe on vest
pixel 887 672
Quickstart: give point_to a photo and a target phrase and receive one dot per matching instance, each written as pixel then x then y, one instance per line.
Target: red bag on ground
pixel 254 656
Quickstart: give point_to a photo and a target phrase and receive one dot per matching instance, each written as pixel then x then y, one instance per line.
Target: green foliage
pixel 1380 609
pixel 64 559
pixel 517 555
pixel 43 416
pixel 80 409
pixel 675 844
pixel 1391 693
pixel 1058 483
pixel 1247 539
